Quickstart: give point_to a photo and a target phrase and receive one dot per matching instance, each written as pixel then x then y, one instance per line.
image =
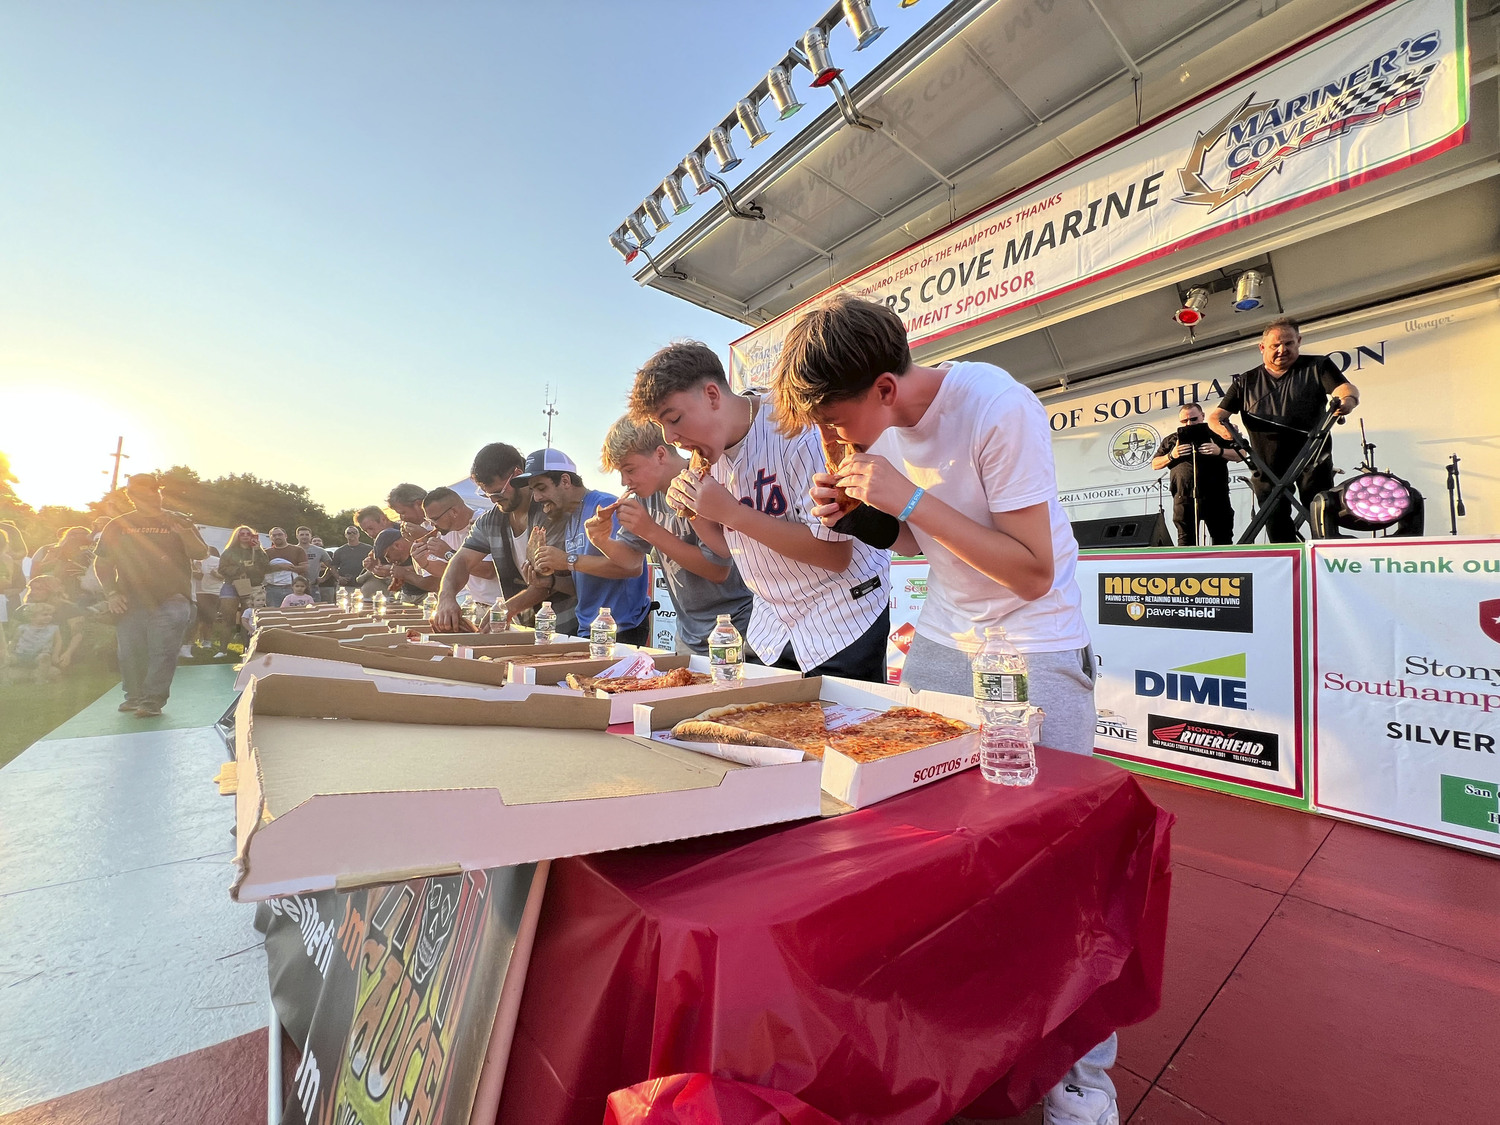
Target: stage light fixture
pixel 676 197
pixel 861 21
pixel 638 231
pixel 693 164
pixel 749 117
pixel 1247 291
pixel 779 82
pixel 652 206
pixel 819 60
pixel 624 246
pixel 1191 312
pixel 718 140
pixel 1373 501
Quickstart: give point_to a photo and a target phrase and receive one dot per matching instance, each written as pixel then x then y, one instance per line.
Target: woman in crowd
pixel 207 583
pixel 68 560
pixel 242 566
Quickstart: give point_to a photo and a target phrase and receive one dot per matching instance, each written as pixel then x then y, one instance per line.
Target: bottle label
pixel 1000 687
pixel 729 654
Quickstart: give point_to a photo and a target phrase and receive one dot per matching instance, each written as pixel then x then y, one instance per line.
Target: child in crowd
pixel 299 594
pixel 38 643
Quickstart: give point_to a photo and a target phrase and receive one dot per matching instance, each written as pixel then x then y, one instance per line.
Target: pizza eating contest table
pixel 959 946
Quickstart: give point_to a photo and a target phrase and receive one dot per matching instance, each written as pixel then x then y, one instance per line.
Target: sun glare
pixel 59 443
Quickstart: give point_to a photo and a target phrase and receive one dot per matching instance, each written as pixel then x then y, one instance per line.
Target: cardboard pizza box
pixel 291 653
pixel 622 709
pixel 342 785
pixel 855 783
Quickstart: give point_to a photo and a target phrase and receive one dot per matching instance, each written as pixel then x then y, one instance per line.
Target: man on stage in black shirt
pixel 1282 401
pixel 1199 460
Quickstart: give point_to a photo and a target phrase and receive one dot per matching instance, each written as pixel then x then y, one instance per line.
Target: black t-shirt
pixel 149 557
pixel 349 560
pixel 1213 470
pixel 1295 399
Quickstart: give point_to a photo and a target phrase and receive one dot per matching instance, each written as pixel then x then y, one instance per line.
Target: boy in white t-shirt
pixel 821 598
pixel 958 465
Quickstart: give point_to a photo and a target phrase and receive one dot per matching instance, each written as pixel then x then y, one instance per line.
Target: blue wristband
pixel 911 505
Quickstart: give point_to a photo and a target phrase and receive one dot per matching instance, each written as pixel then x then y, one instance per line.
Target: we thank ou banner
pixel 1366 97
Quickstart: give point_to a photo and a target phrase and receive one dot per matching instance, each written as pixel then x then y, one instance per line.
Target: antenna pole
pixel 118 455
pixel 550 410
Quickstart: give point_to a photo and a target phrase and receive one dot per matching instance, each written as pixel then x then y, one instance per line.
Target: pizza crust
pixel 702 730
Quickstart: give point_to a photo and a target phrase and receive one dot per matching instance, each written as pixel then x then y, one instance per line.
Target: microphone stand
pixel 1455 495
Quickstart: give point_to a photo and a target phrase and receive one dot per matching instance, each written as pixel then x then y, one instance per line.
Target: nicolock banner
pixel 1364 98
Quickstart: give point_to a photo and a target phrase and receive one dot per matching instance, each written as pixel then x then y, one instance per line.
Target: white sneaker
pixel 1067 1104
pixel 185 652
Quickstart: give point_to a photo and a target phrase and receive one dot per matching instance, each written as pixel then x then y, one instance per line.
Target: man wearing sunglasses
pixel 501 534
pixel 452 521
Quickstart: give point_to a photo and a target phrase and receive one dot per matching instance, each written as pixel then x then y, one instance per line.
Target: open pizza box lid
pixel 342 785
pixel 622 705
pixel 857 784
pixel 283 651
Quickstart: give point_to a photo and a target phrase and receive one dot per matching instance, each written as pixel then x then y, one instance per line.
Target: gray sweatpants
pixel 1062 685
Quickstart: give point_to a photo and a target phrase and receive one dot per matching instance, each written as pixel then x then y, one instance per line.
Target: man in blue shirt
pixel 567 502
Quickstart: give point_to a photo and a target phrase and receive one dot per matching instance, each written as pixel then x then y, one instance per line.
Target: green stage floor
pixel 200 692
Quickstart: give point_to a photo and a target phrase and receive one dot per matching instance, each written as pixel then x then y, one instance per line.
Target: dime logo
pixel 1216 683
pixel 1133 446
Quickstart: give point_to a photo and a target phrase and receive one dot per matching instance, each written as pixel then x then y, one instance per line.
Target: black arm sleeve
pixel 1329 376
pixel 870 525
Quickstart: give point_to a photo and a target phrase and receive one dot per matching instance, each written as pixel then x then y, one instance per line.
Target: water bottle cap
pixel 603 610
pixel 724 619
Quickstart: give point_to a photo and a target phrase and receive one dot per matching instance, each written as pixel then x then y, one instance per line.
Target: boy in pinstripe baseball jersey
pixel 821 597
pixel 958 465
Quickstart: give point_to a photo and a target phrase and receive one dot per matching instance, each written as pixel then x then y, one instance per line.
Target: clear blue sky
pixel 345 244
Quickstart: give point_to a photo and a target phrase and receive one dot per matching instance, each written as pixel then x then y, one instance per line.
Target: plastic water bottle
pixel 1006 755
pixel 602 634
pixel 429 606
pixel 499 618
pixel 342 599
pixel 726 652
pixel 357 601
pixel 378 602
pixel 546 624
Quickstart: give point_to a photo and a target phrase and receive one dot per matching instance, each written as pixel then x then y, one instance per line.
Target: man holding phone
pixel 1199 461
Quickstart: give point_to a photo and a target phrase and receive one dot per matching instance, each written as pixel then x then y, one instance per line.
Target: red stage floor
pixel 1316 972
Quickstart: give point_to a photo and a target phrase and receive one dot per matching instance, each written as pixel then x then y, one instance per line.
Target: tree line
pixel 228 501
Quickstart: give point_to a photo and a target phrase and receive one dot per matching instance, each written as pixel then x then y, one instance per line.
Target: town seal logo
pixel 1133 446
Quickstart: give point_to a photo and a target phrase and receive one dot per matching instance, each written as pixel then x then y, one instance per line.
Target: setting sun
pixel 60 443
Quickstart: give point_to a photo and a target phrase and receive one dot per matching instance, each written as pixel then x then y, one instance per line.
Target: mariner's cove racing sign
pixel 1364 98
pixel 1406 686
pixel 1199 665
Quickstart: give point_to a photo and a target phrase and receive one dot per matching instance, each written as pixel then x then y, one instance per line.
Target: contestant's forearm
pixel 793 540
pixel 988 550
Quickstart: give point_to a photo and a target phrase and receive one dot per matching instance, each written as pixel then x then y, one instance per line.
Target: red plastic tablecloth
pixel 958 946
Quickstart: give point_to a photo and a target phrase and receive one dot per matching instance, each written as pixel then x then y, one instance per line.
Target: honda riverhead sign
pixel 1406 686
pixel 1365 97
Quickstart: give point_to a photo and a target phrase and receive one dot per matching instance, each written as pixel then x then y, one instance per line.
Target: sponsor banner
pixel 1406 686
pixel 1369 96
pixel 1217 602
pixel 1401 362
pixel 391 992
pixel 908 596
pixel 1199 664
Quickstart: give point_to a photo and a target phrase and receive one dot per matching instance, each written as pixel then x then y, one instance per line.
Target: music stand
pixel 1282 486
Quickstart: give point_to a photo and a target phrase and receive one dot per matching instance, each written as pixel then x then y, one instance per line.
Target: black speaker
pixel 1132 531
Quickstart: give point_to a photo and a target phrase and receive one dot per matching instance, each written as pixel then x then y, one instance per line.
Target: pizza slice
pixel 535 543
pixel 697 469
pixel 835 452
pixel 677 677
pixel 894 732
pixel 793 726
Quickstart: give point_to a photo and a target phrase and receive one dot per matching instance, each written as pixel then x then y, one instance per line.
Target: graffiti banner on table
pixel 392 993
pixel 1406 686
pixel 1363 98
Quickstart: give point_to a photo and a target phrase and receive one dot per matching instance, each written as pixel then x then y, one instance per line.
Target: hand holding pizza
pixel 535 544
pixel 875 481
pixel 635 519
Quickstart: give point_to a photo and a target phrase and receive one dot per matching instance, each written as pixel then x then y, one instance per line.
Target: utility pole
pixel 118 455
pixel 550 411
